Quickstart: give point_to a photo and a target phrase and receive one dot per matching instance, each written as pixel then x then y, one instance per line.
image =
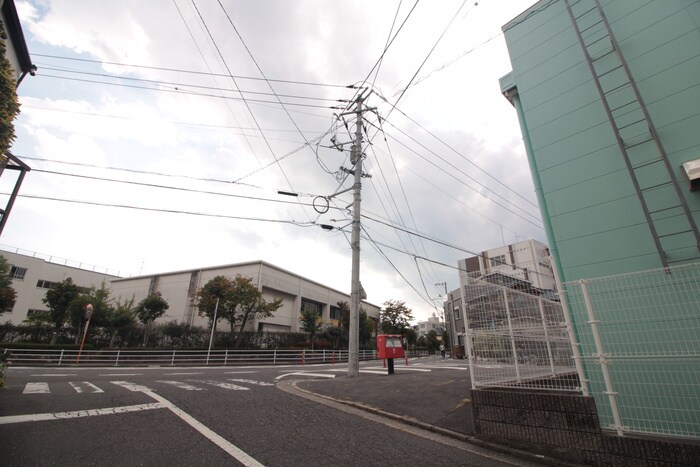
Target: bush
pixel 4 355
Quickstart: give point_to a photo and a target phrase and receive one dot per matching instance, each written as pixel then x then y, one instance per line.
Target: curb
pixel 525 455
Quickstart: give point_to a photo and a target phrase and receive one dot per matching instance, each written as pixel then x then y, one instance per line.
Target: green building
pixel 608 98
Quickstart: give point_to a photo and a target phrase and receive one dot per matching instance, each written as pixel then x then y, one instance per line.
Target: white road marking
pixel 229 386
pixel 131 386
pixel 182 374
pixel 123 374
pixel 36 388
pixel 301 373
pixel 251 381
pixel 232 450
pixel 402 368
pixel 56 374
pixel 42 417
pixel 182 385
pixel 87 385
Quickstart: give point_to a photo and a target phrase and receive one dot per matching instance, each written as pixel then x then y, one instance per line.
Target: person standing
pixel 442 349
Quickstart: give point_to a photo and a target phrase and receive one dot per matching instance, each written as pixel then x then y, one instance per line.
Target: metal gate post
pixel 546 336
pixel 512 337
pixel 602 358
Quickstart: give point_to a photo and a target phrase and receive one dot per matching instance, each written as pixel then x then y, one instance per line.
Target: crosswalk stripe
pixel 251 381
pixel 41 417
pixel 182 385
pixel 36 388
pixel 229 386
pixel 87 385
pixel 131 386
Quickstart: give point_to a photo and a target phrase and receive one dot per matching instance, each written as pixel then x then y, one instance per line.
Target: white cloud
pixel 194 136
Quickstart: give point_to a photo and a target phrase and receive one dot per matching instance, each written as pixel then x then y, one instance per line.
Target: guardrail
pixel 43 357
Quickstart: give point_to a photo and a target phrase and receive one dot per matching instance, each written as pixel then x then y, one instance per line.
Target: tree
pixel 395 317
pixel 432 340
pixel 101 305
pixel 8 295
pixel 149 309
pixel 344 321
pixel 219 289
pixel 411 336
pixel 367 327
pixel 120 317
pixel 8 96
pixel 310 322
pixel 58 299
pixel 239 301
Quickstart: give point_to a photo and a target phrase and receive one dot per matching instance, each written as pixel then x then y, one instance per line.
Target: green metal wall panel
pixel 594 218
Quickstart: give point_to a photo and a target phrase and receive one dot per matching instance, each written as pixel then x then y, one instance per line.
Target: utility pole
pixel 356 288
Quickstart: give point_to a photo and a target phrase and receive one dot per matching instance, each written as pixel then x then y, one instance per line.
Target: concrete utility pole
pixel 356 288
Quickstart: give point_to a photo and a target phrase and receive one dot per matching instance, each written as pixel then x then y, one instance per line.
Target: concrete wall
pixel 566 426
pixel 29 291
pixel 177 288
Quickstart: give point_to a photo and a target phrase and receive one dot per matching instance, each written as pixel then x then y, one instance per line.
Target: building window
pixel 42 284
pixel 317 307
pixel 456 313
pixel 18 273
pixel 498 260
pixel 335 313
pixel 34 311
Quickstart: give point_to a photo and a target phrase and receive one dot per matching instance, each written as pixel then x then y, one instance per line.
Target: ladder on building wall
pixel 671 224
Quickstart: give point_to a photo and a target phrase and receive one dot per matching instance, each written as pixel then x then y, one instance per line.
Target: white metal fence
pixel 33 357
pixel 639 337
pixel 516 335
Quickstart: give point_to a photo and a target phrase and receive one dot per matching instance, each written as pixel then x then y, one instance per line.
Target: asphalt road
pixel 201 416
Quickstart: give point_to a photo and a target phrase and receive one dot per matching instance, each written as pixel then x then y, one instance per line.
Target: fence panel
pixel 142 357
pixel 644 368
pixel 516 338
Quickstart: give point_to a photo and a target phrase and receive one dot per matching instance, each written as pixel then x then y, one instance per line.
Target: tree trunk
pixel 145 334
pixel 240 331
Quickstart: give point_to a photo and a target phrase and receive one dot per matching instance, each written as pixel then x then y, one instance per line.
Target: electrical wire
pixel 183 92
pixel 221 75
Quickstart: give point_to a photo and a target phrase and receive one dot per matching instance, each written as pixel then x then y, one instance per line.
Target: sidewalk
pixel 438 398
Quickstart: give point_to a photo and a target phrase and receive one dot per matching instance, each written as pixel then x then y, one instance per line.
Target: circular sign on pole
pixel 88 311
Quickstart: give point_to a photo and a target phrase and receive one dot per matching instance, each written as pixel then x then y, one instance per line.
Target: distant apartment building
pixel 433 323
pixel 527 260
pixel 32 276
pixel 180 288
pixel 454 319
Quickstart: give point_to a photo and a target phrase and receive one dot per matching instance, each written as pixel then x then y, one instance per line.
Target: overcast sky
pixel 160 132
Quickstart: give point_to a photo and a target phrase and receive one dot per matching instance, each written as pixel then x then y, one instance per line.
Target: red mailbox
pixel 389 346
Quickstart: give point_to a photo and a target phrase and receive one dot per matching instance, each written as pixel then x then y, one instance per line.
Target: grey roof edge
pixel 527 13
pixel 14 30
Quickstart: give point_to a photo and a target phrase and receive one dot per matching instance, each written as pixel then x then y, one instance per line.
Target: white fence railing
pixel 517 336
pixel 34 357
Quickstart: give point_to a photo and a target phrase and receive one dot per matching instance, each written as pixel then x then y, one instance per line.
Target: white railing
pixel 44 357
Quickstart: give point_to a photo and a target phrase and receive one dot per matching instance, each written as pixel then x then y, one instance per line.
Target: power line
pixel 458 179
pixel 177 70
pixel 184 92
pixel 178 85
pixel 168 187
pixel 168 211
